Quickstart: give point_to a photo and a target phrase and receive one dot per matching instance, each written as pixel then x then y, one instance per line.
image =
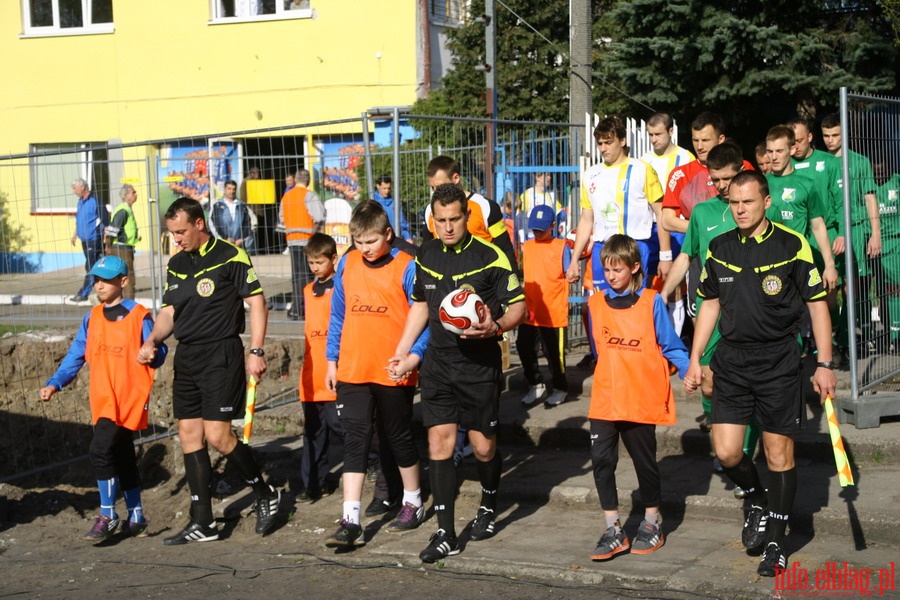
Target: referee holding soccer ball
pixel 460 374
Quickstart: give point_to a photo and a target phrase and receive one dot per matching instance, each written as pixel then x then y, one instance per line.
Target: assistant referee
pixel 203 304
pixel 758 277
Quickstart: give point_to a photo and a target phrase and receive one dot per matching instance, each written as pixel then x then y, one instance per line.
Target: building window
pixel 446 12
pixel 231 11
pixel 53 169
pixel 63 17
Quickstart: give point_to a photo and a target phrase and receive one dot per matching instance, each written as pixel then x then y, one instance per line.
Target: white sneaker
pixel 556 398
pixel 535 393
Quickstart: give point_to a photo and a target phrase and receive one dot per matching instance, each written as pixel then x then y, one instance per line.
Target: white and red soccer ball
pixel 461 309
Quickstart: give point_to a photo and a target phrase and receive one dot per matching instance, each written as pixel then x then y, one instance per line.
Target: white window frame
pixel 55 29
pixel 216 9
pixel 52 176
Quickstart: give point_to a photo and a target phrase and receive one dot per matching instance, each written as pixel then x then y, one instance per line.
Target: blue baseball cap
pixel 542 218
pixel 109 267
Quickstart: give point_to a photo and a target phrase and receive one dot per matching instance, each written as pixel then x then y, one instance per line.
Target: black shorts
pixel 463 389
pixel 359 405
pixel 210 381
pixel 766 381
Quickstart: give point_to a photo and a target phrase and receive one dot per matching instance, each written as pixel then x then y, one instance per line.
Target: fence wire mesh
pixel 872 133
pixel 41 269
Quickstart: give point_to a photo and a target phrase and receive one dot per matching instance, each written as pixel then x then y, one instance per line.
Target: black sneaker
pixel 440 546
pixel 379 507
pixel 483 525
pixel 267 511
pixel 773 560
pixel 753 536
pixel 194 532
pixel 347 534
pixel 303 497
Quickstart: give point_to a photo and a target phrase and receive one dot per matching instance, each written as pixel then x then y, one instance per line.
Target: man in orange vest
pixel 301 214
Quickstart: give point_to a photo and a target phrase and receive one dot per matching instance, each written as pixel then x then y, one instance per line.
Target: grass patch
pixel 17 329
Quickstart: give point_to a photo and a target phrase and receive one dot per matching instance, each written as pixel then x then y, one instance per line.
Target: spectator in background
pixel 289 182
pixel 301 214
pixel 91 219
pixel 383 196
pixel 537 195
pixel 122 235
pixel 229 219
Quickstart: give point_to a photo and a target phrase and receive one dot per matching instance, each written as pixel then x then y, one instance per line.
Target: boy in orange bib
pixel 109 339
pixel 631 395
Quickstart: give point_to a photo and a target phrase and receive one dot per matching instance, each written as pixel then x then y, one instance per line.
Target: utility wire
pixel 560 50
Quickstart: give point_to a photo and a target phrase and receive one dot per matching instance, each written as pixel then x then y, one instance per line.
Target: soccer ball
pixel 461 309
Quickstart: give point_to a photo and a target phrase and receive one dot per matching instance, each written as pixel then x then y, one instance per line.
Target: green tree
pixel 532 72
pixel 13 236
pixel 753 62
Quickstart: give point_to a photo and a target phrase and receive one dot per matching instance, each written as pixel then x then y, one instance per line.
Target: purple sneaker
pixel 408 518
pixel 136 529
pixel 102 529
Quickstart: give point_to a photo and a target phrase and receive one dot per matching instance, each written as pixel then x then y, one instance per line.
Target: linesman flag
pixel 250 409
pixel 837 444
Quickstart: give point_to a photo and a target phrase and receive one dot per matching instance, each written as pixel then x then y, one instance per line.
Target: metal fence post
pixel 155 241
pixel 367 142
pixel 850 300
pixel 395 147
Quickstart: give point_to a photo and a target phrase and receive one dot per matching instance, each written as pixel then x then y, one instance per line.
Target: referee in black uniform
pixel 203 304
pixel 757 278
pixel 460 376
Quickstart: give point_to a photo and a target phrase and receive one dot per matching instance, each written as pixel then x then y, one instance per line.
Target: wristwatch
pixel 258 352
pixel 826 365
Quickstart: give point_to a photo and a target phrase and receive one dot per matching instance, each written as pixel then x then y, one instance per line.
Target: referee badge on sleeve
pixel 513 282
pixel 771 285
pixel 814 277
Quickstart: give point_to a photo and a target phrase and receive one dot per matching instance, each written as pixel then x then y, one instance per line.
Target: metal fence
pixel 41 268
pixel 870 128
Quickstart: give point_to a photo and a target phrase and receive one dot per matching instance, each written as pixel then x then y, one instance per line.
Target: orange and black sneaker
pixel 610 544
pixel 649 538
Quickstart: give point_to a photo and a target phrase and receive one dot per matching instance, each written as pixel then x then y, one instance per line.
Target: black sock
pixel 443 493
pixel 198 472
pixel 242 459
pixel 489 474
pixel 745 476
pixel 782 488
